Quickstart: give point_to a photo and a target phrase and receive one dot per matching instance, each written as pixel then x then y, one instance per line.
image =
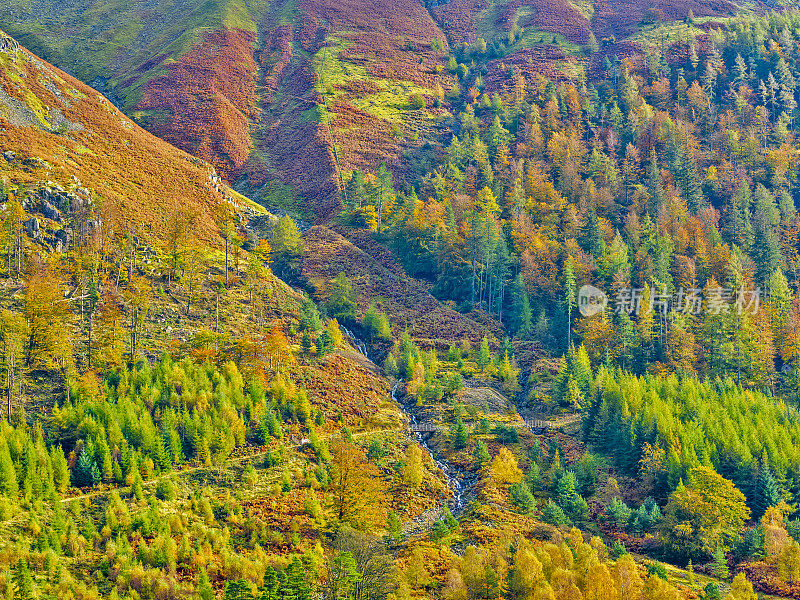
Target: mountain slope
pixel 243 85
pixel 55 129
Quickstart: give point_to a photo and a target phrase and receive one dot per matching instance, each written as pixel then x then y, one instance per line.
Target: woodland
pixel 206 399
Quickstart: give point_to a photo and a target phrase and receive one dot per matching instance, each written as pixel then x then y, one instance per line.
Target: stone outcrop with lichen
pixel 7 43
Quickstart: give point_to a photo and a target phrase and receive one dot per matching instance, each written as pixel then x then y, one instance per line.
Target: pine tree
pixel 554 514
pixel 238 590
pixel 655 185
pixel 23 581
pixel 481 456
pixel 394 526
pixel 484 355
pixel 767 491
pixel 287 248
pixel 341 302
pixel 204 589
pixel 591 237
pixel 459 434
pixel 295 586
pixel 719 566
pixel 569 295
pixel 82 473
pixel 8 475
pixel 766 249
pixel 522 498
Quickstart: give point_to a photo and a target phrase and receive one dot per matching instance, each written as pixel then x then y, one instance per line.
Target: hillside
pixel 377 276
pixel 60 135
pixel 281 93
pixel 504 306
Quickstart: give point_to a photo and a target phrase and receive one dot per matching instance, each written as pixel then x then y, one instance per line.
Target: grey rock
pixel 37 163
pixel 7 43
pixel 9 156
pixel 32 226
pixel 50 211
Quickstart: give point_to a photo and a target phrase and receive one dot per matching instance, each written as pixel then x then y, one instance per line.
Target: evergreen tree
pixel 237 590
pixel 522 498
pixel 204 589
pixel 286 246
pixel 354 190
pixel 8 475
pixel 82 475
pixel 569 295
pixel 554 514
pixel 23 581
pixel 736 224
pixel 484 355
pixel 719 566
pixel 324 344
pixel 591 236
pixel 481 456
pixel 655 185
pixel 766 249
pixel 295 586
pixel 459 434
pixel 767 492
pixel 341 302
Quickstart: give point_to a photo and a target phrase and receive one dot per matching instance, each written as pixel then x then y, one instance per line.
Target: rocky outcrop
pixel 7 43
pixel 50 200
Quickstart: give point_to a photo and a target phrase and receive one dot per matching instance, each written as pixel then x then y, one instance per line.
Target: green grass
pixel 389 103
pixel 106 31
pixel 585 7
pixel 666 33
pixel 392 102
pixel 280 195
pixel 288 13
pixel 332 70
pixel 485 24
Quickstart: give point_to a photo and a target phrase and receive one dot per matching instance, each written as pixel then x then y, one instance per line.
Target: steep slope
pixel 621 17
pixel 375 274
pixel 56 130
pixel 466 20
pixel 339 79
pixel 185 70
pixel 334 81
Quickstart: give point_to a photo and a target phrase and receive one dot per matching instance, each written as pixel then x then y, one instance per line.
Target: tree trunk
pixel 91 320
pixel 10 373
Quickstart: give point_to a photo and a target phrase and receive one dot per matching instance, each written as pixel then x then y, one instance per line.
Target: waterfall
pixel 453 482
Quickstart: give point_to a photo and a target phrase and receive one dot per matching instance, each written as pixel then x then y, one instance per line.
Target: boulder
pixel 32 226
pixel 50 211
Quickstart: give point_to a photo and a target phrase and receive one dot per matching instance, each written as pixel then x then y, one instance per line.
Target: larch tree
pixel 358 494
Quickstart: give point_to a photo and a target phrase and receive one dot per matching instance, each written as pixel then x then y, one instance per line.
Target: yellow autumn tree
pixel 504 469
pixel 358 493
pixel 705 514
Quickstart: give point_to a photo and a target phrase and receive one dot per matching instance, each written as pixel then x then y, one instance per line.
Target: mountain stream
pixel 454 479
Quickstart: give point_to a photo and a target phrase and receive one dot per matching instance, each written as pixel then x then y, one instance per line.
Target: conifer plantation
pixel 402 301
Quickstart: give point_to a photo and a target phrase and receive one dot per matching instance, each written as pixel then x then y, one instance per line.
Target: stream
pixel 454 482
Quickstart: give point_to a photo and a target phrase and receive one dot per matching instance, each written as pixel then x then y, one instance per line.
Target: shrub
pixel 507 435
pixel 657 569
pixel 165 490
pixel 619 513
pixel 416 101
